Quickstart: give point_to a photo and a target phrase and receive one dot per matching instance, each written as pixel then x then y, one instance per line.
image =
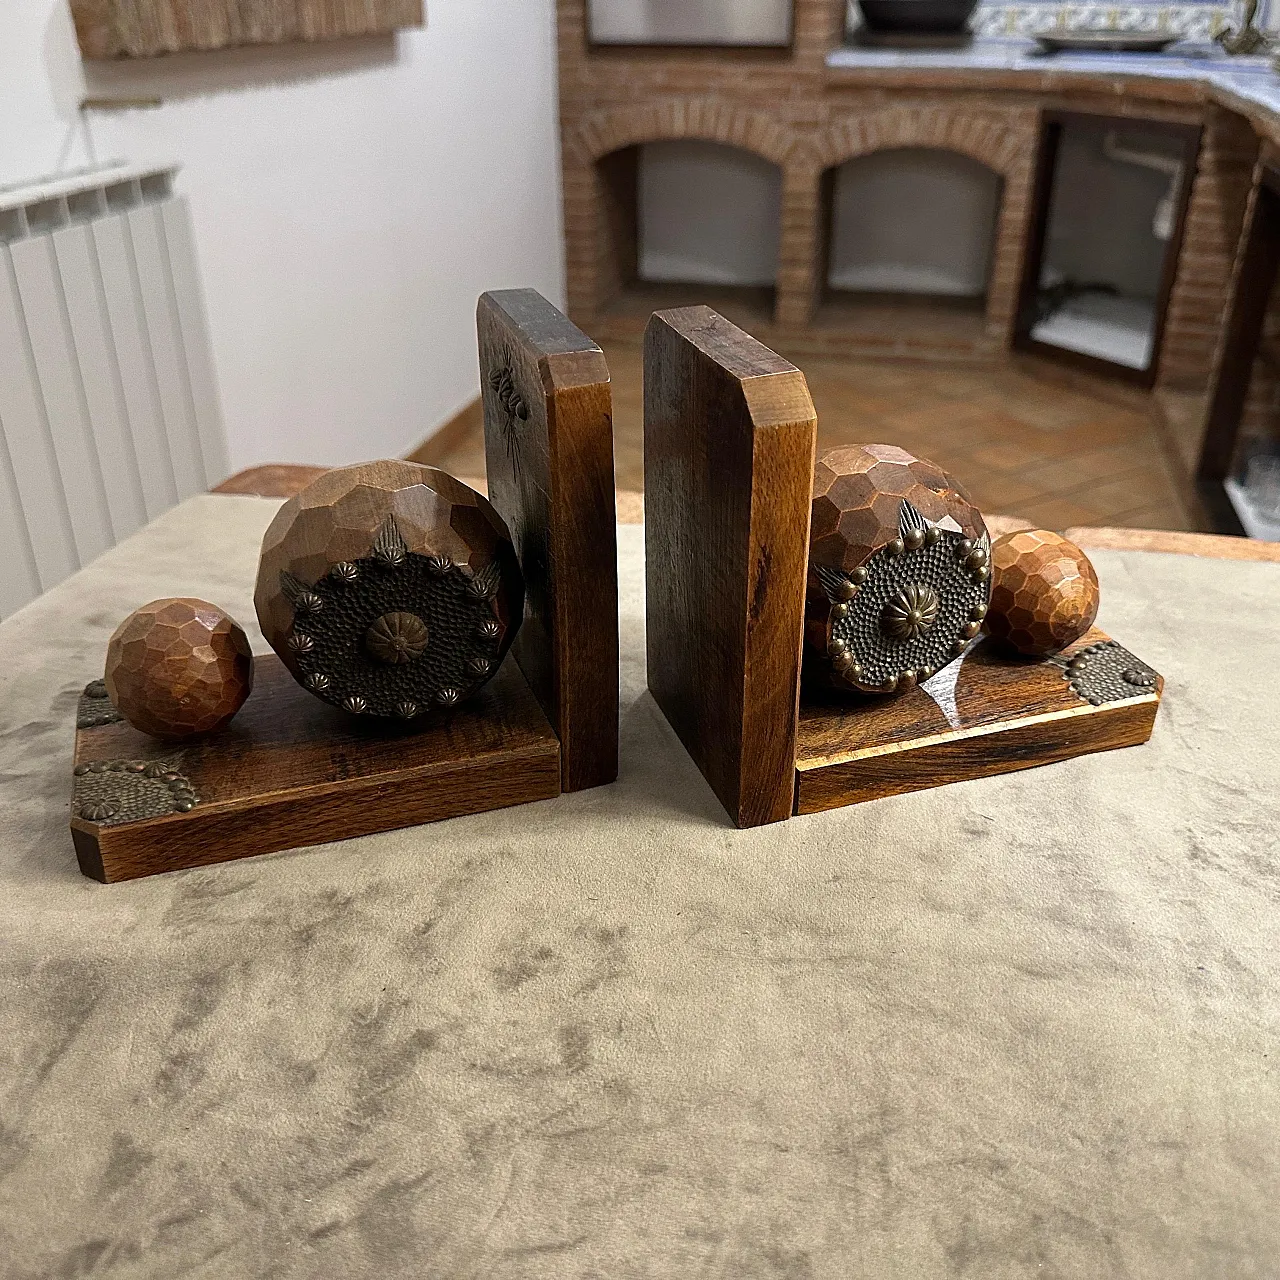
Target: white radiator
pixel 109 410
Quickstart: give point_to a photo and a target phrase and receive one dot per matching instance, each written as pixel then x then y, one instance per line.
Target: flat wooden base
pixel 291 771
pixel 1010 713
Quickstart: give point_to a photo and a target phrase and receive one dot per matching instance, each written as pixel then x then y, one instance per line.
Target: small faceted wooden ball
pixel 898 569
pixel 389 589
pixel 1044 592
pixel 177 668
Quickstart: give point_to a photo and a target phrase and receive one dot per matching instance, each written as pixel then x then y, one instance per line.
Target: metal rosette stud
pixel 397 634
pixel 912 606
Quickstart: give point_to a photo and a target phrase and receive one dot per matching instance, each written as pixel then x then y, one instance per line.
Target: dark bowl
pixel 937 17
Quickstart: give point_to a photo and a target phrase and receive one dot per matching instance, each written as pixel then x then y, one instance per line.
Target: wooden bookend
pixel 729 459
pixel 729 440
pixel 548 429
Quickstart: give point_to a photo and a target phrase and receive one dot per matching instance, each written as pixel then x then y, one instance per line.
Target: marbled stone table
pixel 1017 1027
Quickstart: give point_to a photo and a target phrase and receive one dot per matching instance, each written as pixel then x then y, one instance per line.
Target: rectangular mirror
pixel 760 23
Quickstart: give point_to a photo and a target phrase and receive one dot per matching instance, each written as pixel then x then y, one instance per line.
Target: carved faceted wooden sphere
pixel 899 573
pixel 389 588
pixel 1044 591
pixel 178 667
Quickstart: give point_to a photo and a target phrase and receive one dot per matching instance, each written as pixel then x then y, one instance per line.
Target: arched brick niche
pixel 600 190
pixel 600 152
pixel 1004 143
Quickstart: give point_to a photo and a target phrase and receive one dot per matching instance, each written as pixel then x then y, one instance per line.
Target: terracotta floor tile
pixel 1026 439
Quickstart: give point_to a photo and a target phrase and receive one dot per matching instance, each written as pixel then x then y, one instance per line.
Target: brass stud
pixel 97 811
pixel 317 682
pixel 924 673
pixel 846 590
pixel 971 629
pixel 907 678
pixel 859 575
pixel 185 806
pixel 839 610
pixel 963 547
pixel 479 665
pixel 80 770
pixel 932 534
pixel 913 539
pixel 345 571
pixel 300 643
pixel 959 645
pixel 308 602
pixel 853 671
pixel 439 565
pixel 406 710
pixel 982 574
pixel 490 629
pixel 896 547
pixel 889 684
pixel 978 612
pixel 448 697
pixel 837 647
pixel 355 704
pixel 976 558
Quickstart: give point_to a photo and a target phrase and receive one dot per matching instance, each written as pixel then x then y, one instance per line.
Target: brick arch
pixel 705 119
pixel 988 139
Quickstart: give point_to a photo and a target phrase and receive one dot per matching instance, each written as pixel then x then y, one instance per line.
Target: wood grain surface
pixel 146 28
pixel 1011 713
pixel 549 457
pixel 290 771
pixel 730 435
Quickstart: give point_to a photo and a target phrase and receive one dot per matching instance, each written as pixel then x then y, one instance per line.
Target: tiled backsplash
pixel 1193 21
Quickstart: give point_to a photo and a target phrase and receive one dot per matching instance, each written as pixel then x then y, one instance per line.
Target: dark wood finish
pixel 179 667
pixel 290 771
pixel 730 436
pixel 1052 123
pixel 274 480
pixel 450 544
pixel 1256 277
pixel 1012 714
pixel 1044 592
pixel 549 454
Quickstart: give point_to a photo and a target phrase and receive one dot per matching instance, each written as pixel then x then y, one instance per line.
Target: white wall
pixel 708 214
pixel 913 220
pixel 351 201
pixel 746 22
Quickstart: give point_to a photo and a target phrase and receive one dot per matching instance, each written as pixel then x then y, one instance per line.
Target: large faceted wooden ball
pixel 898 569
pixel 178 667
pixel 389 588
pixel 1044 593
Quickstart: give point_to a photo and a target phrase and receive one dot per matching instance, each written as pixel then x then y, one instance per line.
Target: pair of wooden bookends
pixel 392 594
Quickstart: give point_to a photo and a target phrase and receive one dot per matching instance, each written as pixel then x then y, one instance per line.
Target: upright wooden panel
pixel 549 453
pixel 175 218
pixel 168 357
pixel 133 352
pixel 30 447
pixel 729 441
pixel 100 377
pixel 53 352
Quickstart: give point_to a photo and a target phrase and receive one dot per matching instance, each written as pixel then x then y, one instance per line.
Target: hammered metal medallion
pixel 910 609
pixel 95 707
pixel 1108 672
pixel 110 792
pixel 396 633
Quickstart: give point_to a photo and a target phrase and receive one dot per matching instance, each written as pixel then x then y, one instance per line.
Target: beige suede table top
pixel 1024 1026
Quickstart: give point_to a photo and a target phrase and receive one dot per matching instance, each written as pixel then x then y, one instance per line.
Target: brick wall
pixel 786 107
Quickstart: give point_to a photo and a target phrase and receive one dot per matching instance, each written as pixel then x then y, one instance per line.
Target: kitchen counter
pixel 1189 71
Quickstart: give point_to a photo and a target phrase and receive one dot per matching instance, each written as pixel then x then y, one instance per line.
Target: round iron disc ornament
pixel 899 570
pixel 389 589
